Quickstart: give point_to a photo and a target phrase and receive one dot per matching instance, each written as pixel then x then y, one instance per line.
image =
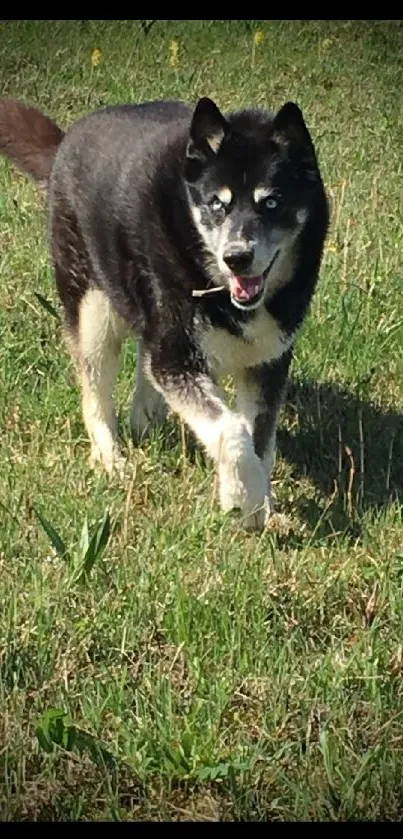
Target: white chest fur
pixel 262 341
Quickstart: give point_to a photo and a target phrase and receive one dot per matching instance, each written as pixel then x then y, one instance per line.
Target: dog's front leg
pixel 260 394
pixel 190 392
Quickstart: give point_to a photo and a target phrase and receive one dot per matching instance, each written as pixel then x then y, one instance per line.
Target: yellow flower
pixel 332 247
pixel 259 37
pixel 96 57
pixel 174 53
pixel 326 43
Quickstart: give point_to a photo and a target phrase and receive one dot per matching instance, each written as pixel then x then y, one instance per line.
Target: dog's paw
pixel 259 519
pixel 243 485
pixel 140 427
pixel 111 461
pixel 143 418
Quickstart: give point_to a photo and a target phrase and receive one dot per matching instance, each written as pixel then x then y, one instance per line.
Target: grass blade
pixel 96 547
pixel 84 539
pixel 56 540
pixel 47 305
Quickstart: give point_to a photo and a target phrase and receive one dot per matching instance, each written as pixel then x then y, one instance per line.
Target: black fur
pixel 271 380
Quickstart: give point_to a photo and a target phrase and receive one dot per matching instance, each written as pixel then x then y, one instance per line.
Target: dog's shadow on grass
pixel 351 450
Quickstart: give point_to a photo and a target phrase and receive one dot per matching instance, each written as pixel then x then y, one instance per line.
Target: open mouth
pixel 247 291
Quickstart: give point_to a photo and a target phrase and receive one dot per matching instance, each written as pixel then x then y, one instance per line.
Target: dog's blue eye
pixel 271 203
pixel 216 204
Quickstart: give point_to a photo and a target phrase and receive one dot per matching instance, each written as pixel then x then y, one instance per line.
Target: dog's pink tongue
pixel 245 288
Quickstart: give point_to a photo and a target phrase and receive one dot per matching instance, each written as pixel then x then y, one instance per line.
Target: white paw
pixel 244 485
pixel 110 460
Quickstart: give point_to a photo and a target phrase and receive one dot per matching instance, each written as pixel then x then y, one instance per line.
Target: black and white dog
pixel 200 233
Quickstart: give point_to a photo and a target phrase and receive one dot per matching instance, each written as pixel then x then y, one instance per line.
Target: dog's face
pixel 250 181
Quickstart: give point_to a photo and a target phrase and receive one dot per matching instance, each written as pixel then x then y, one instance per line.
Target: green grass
pixel 200 672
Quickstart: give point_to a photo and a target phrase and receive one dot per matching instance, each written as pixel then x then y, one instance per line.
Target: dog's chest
pixel 262 341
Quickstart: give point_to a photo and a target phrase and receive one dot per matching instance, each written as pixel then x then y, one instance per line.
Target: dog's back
pixel 116 182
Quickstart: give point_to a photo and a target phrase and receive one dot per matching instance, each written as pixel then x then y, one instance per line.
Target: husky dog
pixel 202 234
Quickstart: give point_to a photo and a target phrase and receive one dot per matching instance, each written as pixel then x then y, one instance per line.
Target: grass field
pixel 195 671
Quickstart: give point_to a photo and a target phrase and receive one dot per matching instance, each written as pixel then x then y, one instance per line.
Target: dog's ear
pixel 207 131
pixel 289 130
pixel 209 127
pixel 290 125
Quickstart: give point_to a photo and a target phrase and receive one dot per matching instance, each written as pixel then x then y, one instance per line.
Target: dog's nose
pixel 238 259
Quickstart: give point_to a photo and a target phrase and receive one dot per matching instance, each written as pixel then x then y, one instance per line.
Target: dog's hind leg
pixel 95 344
pixel 149 408
pixel 100 340
pixel 94 331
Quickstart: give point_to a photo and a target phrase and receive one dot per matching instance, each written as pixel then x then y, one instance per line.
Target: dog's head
pixel 250 180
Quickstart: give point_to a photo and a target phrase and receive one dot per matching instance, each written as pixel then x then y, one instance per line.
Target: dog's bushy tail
pixel 29 139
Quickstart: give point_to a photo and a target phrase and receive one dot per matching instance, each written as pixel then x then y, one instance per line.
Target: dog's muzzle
pixel 246 292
